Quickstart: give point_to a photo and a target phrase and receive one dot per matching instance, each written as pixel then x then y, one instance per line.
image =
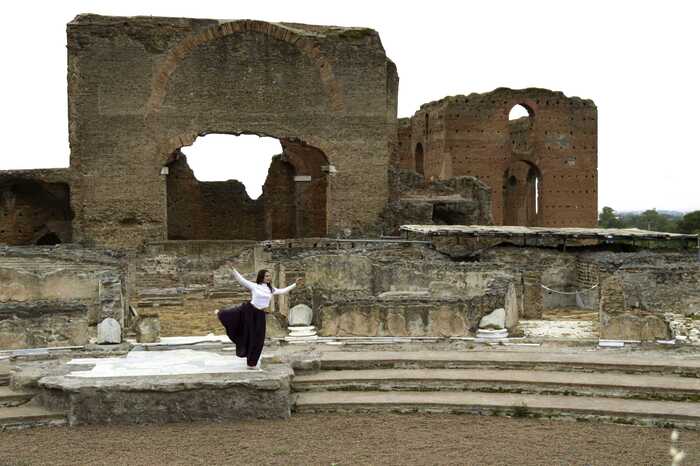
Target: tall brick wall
pixel 472 135
pixel 140 88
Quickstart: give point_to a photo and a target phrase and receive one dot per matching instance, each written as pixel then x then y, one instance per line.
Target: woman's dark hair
pixel 261 276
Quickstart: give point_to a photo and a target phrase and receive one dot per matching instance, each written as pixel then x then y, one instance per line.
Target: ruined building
pixel 136 231
pixel 140 89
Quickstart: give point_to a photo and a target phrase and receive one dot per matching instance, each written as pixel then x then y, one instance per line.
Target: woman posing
pixel 245 324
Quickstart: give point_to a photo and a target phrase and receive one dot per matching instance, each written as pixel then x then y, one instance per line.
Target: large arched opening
pixel 290 202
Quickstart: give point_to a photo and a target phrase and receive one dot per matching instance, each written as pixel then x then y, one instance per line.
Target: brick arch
pixel 306 45
pixel 527 103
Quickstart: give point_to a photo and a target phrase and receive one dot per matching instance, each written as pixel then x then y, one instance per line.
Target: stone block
pixel 148 329
pixel 495 320
pixel 301 314
pixel 634 327
pixel 109 332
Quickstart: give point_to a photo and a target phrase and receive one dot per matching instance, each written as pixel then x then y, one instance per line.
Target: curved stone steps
pixel 598 362
pixel 649 387
pixel 658 413
pixel 29 416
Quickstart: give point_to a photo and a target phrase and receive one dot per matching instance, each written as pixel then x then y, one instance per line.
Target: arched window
pixel 520 115
pixel 420 168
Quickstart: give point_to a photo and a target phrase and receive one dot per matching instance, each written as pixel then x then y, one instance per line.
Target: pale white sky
pixel 637 60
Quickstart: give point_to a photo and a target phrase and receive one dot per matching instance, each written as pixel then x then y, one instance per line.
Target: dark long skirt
pixel 245 326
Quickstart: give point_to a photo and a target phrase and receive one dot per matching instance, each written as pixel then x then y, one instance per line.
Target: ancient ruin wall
pixel 209 210
pixel 35 207
pixel 140 88
pixel 472 135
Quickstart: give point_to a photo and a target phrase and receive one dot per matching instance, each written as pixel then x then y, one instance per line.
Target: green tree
pixel 654 221
pixel 690 223
pixel 608 219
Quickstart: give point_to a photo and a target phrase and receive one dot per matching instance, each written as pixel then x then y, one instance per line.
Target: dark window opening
pixel 49 239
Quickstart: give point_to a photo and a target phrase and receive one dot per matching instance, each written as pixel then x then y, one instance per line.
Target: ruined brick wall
pixel 429 142
pixel 140 88
pixel 472 135
pixel 309 190
pixel 35 207
pixel 406 155
pixel 278 199
pixel 415 201
pixel 210 210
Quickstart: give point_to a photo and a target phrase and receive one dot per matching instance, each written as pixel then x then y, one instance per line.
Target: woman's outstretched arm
pixel 245 283
pixel 287 289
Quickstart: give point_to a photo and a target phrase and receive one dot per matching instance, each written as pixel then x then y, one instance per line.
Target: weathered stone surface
pixel 49 296
pixel 273 327
pixel 634 327
pixel 417 317
pixel 109 331
pixel 447 323
pixel 301 314
pixel 148 329
pixel 495 320
pixel 162 399
pixel 38 324
pixel 25 375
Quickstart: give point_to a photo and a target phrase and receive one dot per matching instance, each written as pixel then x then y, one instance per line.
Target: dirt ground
pixel 351 440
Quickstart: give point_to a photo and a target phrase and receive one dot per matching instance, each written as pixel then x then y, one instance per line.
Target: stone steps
pixel 647 387
pixel 11 398
pixel 657 413
pixel 598 362
pixel 4 372
pixel 21 417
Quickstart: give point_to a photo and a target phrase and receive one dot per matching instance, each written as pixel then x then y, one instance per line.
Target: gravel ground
pixel 350 440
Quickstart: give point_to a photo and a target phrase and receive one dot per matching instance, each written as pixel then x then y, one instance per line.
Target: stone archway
pixel 294 202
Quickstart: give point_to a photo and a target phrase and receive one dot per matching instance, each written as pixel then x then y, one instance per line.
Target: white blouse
pixel 261 294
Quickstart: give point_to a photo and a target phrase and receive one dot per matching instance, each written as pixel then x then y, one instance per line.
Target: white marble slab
pixel 149 363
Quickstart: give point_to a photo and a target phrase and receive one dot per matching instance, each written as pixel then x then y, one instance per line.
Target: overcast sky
pixel 637 60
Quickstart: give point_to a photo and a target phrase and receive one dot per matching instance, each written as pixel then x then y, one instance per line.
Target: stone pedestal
pixel 301 333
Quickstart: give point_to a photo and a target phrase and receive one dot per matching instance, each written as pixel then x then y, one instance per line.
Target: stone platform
pixel 166 386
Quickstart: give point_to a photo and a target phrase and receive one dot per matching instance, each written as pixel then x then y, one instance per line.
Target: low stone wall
pixel 56 296
pixel 163 399
pixel 406 317
pixel 43 324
